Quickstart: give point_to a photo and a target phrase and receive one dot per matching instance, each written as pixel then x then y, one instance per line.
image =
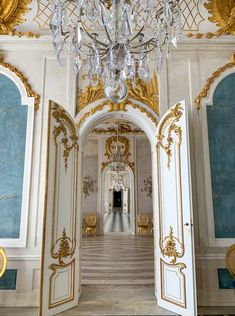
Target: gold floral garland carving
pixel 223 15
pixel 115 108
pixel 211 80
pixel 126 153
pixel 66 248
pixel 146 93
pixel 25 82
pixel 63 123
pixel 11 15
pixel 170 120
pixel 123 128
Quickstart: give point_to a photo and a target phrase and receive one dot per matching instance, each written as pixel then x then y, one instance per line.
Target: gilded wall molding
pixel 222 13
pixel 123 128
pixel 210 81
pixel 115 108
pixel 11 15
pixel 145 92
pixel 24 80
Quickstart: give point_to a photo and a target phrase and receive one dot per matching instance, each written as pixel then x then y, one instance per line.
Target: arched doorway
pixel 174 263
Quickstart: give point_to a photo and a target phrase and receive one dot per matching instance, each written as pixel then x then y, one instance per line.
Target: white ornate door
pixel 61 239
pixel 174 259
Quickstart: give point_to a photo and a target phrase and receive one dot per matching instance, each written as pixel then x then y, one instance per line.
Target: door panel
pixel 60 262
pixel 174 253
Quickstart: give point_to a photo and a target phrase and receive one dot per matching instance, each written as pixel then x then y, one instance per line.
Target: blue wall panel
pixel 221 132
pixel 13 122
pixel 225 279
pixel 8 280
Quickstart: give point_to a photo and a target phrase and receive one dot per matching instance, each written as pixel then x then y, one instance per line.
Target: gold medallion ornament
pixel 222 13
pixel 25 82
pixel 210 81
pixel 145 92
pixel 11 15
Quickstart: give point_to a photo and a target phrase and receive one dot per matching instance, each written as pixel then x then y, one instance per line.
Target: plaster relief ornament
pixel 11 15
pixel 222 13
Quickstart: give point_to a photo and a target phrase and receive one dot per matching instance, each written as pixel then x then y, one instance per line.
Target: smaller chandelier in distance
pixel 120 48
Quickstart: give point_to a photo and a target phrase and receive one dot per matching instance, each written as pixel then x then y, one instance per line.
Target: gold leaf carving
pixel 64 125
pixel 115 108
pixel 66 248
pixel 170 121
pixel 11 15
pixel 25 82
pixel 124 141
pixel 123 128
pixel 170 247
pixel 211 80
pixel 146 93
pixel 223 15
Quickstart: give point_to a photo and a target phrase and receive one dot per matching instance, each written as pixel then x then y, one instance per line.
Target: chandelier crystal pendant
pixel 120 48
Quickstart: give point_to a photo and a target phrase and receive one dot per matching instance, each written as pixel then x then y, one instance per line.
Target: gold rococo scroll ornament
pixel 25 82
pixel 170 121
pixel 223 15
pixel 145 92
pixel 64 125
pixel 66 248
pixel 169 248
pixel 3 262
pixel 110 146
pixel 11 15
pixel 115 108
pixel 210 81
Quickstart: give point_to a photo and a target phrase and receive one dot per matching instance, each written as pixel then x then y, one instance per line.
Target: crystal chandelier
pixel 120 48
pixel 117 181
pixel 117 160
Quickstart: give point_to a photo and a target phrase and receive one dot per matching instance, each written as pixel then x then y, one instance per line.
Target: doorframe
pixel 144 118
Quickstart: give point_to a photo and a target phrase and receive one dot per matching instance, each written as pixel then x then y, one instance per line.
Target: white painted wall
pixel 192 63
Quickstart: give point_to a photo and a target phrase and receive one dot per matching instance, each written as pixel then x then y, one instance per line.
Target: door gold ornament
pixel 66 248
pixel 65 125
pixel 25 82
pixel 223 15
pixel 11 15
pixel 168 247
pixel 170 122
pixel 210 81
pixel 145 92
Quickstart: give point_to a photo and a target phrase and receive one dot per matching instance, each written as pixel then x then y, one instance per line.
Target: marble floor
pixel 117 279
pixel 117 221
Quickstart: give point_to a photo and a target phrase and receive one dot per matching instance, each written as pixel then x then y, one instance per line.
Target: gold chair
pixel 230 262
pixel 3 262
pixel 142 224
pixel 90 225
pixel 152 229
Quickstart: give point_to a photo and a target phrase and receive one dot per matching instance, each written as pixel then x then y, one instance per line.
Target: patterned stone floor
pixel 117 279
pixel 117 222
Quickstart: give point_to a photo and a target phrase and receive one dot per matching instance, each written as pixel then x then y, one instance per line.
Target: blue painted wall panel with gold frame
pixel 13 123
pixel 221 133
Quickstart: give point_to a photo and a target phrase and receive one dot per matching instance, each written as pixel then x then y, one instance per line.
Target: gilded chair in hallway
pixel 90 225
pixel 3 262
pixel 142 224
pixel 230 262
